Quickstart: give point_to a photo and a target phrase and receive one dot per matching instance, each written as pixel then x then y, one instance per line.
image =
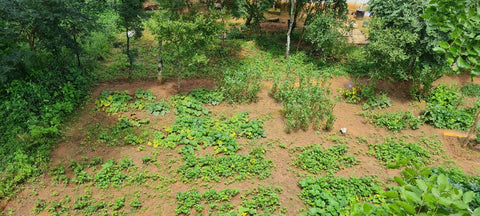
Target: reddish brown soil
pixel 162 202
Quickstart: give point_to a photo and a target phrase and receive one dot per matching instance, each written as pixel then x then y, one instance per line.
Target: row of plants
pixel 445 108
pixel 257 201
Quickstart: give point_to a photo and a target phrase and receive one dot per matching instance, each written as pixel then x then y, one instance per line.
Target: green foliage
pixel 158 108
pixel 421 192
pixel 306 100
pixel 184 43
pixel 470 90
pixel 130 14
pixel 193 198
pixel 402 43
pixel 113 102
pixel 395 121
pixel 241 86
pixel 188 105
pixel 332 195
pixel 330 160
pixel 261 200
pixel 220 134
pixel 326 34
pixel 207 96
pixel 146 95
pixel 359 93
pixel 443 109
pixel 398 153
pixel 258 201
pixel 460 20
pixel 233 168
pixel 32 110
pixel 110 175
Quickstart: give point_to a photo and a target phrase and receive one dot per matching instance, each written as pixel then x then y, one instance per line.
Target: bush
pixel 444 110
pixel 241 86
pixel 306 101
pixel 326 37
pixel 32 110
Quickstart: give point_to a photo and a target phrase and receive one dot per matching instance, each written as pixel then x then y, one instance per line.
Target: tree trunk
pixel 160 63
pixel 290 25
pixel 128 49
pixel 77 52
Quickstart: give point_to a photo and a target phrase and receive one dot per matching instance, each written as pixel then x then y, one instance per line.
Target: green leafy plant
pixel 113 102
pixel 444 110
pixel 158 108
pixel 261 200
pixel 145 95
pixel 332 195
pixel 420 191
pixel 306 101
pixel 397 153
pixel 241 86
pixel 207 96
pixel 470 90
pixel 395 121
pixel 330 160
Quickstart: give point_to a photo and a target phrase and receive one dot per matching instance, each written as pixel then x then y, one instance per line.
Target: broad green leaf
pixel 399 180
pixel 406 206
pixel 460 204
pixel 390 194
pixel 444 45
pixel 445 201
pixel 442 182
pixel 462 64
pixel 411 196
pixel 468 196
pixel 473 59
pixel 422 185
pixel 439 50
pixel 429 200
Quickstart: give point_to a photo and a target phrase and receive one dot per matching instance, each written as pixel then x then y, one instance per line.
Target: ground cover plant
pixel 329 160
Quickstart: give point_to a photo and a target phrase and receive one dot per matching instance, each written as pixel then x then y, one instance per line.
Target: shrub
pixel 306 101
pixel 444 110
pixel 241 86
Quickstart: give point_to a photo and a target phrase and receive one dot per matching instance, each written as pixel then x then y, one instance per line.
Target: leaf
pixel 468 196
pixel 459 204
pixel 399 180
pixel 390 194
pixel 462 64
pixel 411 196
pixel 406 206
pixel 422 185
pixel 439 50
pixel 444 45
pixel 442 182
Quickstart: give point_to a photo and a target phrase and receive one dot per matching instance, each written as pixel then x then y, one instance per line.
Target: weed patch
pixel 315 160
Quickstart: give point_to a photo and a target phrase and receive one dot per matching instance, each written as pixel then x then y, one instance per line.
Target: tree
pixel 290 28
pixel 131 14
pixel 184 42
pixel 402 42
pixel 254 12
pixel 461 21
pixel 336 8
